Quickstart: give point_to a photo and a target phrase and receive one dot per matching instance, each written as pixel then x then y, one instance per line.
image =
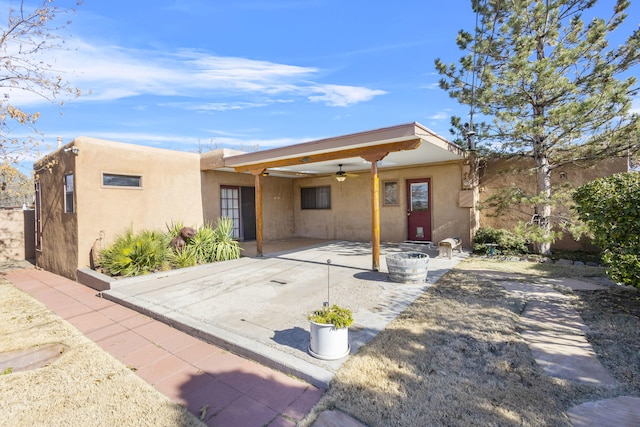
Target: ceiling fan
pixel 342 175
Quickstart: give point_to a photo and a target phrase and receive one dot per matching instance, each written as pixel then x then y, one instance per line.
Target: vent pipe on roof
pixel 59 141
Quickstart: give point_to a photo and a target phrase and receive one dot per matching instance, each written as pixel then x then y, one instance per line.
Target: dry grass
pixel 84 386
pixel 455 356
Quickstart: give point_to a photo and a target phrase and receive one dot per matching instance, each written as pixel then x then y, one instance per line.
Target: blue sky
pixel 250 74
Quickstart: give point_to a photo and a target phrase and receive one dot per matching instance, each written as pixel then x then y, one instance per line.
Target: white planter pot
pixel 327 342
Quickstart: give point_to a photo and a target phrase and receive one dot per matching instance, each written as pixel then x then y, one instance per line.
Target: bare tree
pixel 28 33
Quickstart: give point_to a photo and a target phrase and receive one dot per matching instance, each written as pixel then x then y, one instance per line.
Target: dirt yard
pixel 83 386
pixel 455 356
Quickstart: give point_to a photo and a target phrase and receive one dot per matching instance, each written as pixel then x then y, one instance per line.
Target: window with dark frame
pixel 38 217
pixel 68 193
pixel 119 180
pixel 316 197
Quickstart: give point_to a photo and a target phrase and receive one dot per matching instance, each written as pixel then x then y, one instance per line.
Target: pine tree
pixel 550 86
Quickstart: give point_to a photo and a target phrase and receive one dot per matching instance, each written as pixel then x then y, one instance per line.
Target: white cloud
pixel 431 86
pixel 441 115
pixel 341 96
pixel 112 73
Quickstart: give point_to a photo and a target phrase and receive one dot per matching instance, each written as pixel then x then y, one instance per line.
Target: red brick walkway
pixel 234 391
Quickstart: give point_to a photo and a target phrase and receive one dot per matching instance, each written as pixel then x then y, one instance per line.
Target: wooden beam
pixel 374 150
pixel 375 217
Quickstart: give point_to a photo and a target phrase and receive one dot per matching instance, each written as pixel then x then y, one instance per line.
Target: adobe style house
pixel 395 184
pixel 400 183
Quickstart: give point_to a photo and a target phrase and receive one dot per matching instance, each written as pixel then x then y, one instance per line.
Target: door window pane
pixel 420 196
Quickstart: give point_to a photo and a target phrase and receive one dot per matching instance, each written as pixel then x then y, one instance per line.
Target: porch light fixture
pixel 341 175
pixel 469 135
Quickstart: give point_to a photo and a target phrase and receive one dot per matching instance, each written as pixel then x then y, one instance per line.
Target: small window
pixel 390 193
pixel 114 180
pixel 316 197
pixel 68 193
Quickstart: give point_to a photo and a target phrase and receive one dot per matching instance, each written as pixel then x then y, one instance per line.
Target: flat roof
pixel 325 155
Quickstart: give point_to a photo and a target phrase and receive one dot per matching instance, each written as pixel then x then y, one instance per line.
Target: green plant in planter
pixel 135 254
pixel 225 247
pixel 335 315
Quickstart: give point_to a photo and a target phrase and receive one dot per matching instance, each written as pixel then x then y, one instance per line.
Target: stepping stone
pixel 336 418
pixel 623 411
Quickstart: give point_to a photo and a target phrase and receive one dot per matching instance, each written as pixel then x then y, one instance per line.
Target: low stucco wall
pixel 16 234
pixel 520 173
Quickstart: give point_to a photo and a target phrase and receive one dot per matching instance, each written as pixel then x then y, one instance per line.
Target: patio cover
pixel 391 147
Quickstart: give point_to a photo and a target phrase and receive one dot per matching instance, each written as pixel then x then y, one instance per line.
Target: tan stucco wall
pixel 350 215
pixel 520 173
pixel 16 234
pixel 277 199
pixel 171 191
pixel 59 230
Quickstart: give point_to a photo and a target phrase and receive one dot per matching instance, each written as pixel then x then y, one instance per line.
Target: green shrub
pixel 225 246
pixel 203 244
pixel 335 315
pixel 135 254
pixel 208 245
pixel 610 207
pixel 507 243
pixel 173 229
pixel 185 257
pixel 149 251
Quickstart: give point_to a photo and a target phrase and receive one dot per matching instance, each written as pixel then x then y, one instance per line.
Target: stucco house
pixel 395 184
pixel 392 184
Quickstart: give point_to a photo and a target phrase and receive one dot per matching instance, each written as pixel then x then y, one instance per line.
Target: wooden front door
pixel 419 209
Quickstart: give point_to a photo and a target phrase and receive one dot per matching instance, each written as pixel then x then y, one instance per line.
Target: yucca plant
pixel 203 244
pixel 135 254
pixel 185 257
pixel 225 247
pixel 173 228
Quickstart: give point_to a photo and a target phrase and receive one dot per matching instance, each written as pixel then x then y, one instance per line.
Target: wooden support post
pixel 258 183
pixel 375 217
pixel 375 208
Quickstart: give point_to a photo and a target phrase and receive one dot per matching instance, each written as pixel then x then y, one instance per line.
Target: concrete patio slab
pixel 257 307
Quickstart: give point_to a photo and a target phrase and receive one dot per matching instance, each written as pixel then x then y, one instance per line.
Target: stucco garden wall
pixel 520 173
pixel 350 215
pixel 16 234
